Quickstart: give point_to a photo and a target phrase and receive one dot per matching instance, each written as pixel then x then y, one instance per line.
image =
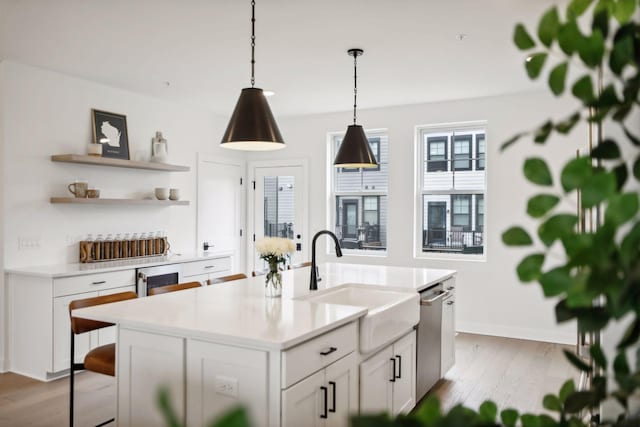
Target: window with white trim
pixel 359 199
pixel 451 190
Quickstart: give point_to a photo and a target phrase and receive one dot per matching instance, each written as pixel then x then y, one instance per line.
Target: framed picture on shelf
pixel 110 130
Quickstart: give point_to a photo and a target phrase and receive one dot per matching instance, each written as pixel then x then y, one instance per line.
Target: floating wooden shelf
pixel 149 202
pixel 118 163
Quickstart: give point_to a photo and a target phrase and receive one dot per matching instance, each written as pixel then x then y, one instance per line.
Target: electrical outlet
pixel 226 386
pixel 27 243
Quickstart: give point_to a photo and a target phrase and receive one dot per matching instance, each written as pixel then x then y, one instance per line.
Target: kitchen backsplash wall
pixel 51 114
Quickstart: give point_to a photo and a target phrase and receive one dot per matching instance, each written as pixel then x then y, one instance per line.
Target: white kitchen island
pixel 291 360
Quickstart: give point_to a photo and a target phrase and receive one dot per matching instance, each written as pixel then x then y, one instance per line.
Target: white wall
pixel 3 308
pixel 490 298
pixel 50 114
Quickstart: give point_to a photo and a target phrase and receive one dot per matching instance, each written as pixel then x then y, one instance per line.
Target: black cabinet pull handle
pixel 101 282
pixel 399 367
pixel 333 399
pixel 393 376
pixel 331 350
pixel 326 399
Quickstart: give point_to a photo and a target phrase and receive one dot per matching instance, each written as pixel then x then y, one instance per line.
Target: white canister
pixel 94 150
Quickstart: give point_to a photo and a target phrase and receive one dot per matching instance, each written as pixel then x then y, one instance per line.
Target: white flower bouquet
pixel 275 251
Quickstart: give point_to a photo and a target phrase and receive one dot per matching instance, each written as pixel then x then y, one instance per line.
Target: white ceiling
pixel 412 53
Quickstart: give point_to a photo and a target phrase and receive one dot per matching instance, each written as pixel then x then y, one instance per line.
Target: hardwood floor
pixel 514 373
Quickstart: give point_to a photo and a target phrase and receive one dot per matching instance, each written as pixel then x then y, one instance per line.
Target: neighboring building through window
pixel 452 188
pixel 360 199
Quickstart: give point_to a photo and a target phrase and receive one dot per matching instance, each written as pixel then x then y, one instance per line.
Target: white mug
pixel 162 193
pixel 174 194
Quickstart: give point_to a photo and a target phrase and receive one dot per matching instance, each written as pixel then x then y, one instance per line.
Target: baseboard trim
pixel 559 337
pixel 3 367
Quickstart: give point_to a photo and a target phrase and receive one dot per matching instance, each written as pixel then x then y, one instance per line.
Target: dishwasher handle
pixel 430 301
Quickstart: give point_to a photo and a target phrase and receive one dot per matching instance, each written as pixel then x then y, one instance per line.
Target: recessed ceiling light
pixel 268 93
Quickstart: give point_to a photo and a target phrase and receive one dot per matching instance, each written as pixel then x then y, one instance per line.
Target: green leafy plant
pixel 598 281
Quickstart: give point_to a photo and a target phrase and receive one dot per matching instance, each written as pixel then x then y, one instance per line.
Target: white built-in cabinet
pixel 39 319
pixel 448 349
pixel 326 398
pixel 204 271
pixel 387 379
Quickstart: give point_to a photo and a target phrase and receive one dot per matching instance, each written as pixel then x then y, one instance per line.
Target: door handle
pixel 333 399
pixel 326 401
pixel 441 295
pixel 393 376
pixel 399 367
pixel 331 350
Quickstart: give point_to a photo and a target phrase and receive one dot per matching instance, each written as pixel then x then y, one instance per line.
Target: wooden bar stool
pixel 101 359
pixel 301 265
pixel 256 273
pixel 229 278
pixel 173 288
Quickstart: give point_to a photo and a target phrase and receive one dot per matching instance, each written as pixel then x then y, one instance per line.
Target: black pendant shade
pixel 252 126
pixel 355 151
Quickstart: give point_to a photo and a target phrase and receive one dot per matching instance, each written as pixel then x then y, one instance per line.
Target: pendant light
pixel 252 126
pixel 355 151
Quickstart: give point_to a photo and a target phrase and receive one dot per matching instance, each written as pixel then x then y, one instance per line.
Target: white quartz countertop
pixel 238 312
pixel 78 269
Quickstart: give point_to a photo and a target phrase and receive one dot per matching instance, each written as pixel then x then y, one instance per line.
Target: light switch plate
pixel 226 386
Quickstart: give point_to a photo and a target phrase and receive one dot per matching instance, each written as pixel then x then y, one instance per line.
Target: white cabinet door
pixel 448 356
pixel 221 377
pixel 404 387
pixel 202 278
pixel 145 364
pixel 342 382
pixel 62 333
pixel 108 335
pixel 303 404
pixel 376 386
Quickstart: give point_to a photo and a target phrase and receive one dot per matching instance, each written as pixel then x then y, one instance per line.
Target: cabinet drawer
pixel 93 282
pixel 306 358
pixel 207 266
pixel 450 284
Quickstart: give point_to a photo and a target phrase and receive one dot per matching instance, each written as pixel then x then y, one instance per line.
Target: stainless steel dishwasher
pixel 429 337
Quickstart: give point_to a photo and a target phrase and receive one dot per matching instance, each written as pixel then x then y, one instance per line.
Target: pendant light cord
pixel 355 86
pixel 253 42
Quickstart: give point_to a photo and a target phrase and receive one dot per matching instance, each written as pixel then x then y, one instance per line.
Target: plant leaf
pixel 621 208
pixel 536 171
pixel 530 420
pixel 634 139
pixel 598 355
pixel 539 205
pixel 575 173
pixel 577 362
pixel 548 26
pixel 542 133
pixel 621 364
pixel 624 9
pixel 583 90
pixel 522 39
pixel 636 168
pixel 631 335
pixel 534 64
pixel 555 282
pixel 488 411
pixel 511 141
pixel 569 36
pixel 552 403
pixel 579 400
pixel 556 227
pixel 607 149
pixel 578 7
pixel 509 417
pixel 621 54
pixel 236 417
pixel 557 78
pixel 530 267
pixel 598 188
pixel 516 236
pixel 565 126
pixel 567 388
